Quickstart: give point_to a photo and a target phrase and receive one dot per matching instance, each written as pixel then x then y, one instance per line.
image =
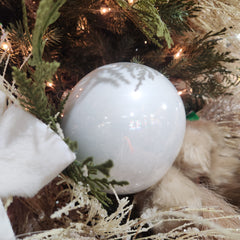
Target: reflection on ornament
pixel 128 113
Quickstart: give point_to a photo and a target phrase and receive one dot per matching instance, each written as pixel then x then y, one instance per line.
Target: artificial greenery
pixel 176 14
pixel 25 20
pixel 145 16
pixel 35 100
pixel 202 66
pixel 46 15
pixel 91 39
pixel 86 172
pixel 33 88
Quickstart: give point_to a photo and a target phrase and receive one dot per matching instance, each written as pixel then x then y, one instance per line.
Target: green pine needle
pixel 32 84
pixel 47 14
pixel 202 61
pixel 87 173
pixel 146 18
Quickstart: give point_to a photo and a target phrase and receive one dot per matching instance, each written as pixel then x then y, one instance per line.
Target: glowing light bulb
pixel 184 91
pixel 178 54
pixel 131 2
pixel 104 10
pixel 50 84
pixel 5 46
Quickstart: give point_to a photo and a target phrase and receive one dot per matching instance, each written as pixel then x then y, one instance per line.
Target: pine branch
pixel 87 173
pixel 33 88
pixel 25 23
pixel 203 67
pixel 146 17
pixel 176 14
pixel 20 43
pixel 46 15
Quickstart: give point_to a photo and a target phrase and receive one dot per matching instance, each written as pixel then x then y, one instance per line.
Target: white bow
pixel 31 154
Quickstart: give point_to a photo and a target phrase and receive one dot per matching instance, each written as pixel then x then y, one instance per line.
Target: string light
pixel 178 54
pixel 5 46
pixel 180 93
pixel 105 10
pixel 82 24
pixel 131 2
pixel 185 91
pixel 50 84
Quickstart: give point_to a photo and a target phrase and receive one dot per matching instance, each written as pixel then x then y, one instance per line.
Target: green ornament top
pixel 192 116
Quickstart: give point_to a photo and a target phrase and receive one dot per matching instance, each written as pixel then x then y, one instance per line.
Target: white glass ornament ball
pixel 131 114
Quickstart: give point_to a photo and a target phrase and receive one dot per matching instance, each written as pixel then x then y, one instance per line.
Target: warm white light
pixel 5 46
pixel 131 2
pixel 50 84
pixel 104 10
pixel 145 42
pixel 178 54
pixel 184 91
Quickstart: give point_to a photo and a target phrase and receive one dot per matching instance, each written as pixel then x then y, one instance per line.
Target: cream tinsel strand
pixel 214 16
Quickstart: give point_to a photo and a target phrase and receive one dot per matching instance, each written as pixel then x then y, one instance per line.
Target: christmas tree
pixel 47 47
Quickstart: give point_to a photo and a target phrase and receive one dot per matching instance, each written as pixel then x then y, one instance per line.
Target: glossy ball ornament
pixel 131 114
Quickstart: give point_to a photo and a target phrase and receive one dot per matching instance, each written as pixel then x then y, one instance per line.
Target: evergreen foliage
pixel 202 67
pixel 145 16
pixel 86 172
pixel 176 14
pixel 35 100
pixel 33 88
pixel 141 32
